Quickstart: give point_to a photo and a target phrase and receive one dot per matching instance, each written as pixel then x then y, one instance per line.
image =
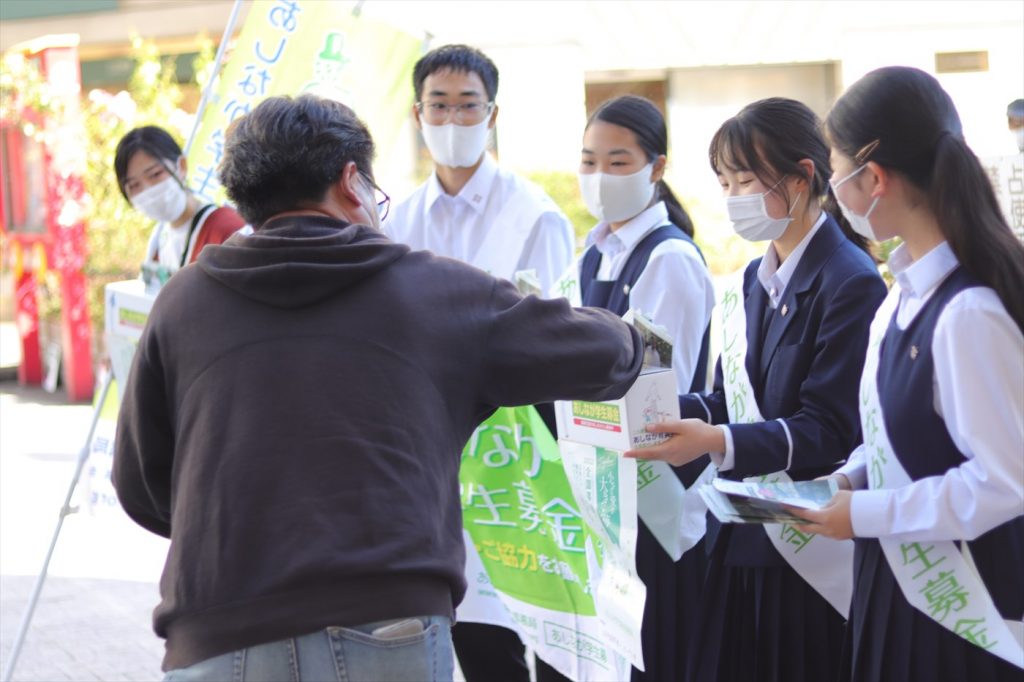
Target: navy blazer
pixel 806 371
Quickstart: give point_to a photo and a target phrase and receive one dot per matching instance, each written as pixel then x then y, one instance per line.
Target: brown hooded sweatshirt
pixel 295 417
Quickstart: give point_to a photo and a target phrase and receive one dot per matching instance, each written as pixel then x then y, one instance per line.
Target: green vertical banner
pixel 543 543
pixel 291 47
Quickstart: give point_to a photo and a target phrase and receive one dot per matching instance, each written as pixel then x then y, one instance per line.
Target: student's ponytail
pixel 676 213
pixel 642 118
pixel 963 200
pixel 902 119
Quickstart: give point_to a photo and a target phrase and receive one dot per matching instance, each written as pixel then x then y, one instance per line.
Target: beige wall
pixel 717 57
pixel 541 94
pixel 152 19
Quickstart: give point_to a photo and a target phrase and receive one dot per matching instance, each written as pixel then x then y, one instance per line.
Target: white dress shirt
pixel 774 279
pixel 978 353
pixel 675 289
pixel 456 226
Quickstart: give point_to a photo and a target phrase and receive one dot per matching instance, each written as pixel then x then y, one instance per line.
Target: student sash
pixel 826 564
pixel 936 578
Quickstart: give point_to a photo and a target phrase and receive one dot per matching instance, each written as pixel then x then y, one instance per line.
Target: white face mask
pixel 454 145
pixel 163 202
pixel 860 223
pixel 750 219
pixel 1018 134
pixel 615 198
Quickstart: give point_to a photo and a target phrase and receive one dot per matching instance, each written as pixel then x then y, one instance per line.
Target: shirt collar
pixel 919 277
pixel 626 237
pixel 774 277
pixel 473 194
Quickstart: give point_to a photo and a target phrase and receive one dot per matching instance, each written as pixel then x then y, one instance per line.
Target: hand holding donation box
pixel 762 502
pixel 674 517
pixel 622 424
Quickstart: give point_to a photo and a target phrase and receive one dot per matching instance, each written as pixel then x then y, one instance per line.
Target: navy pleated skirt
pixel 888 639
pixel 763 624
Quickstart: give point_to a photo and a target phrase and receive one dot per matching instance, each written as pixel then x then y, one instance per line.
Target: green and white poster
pixel 551 537
pixel 291 47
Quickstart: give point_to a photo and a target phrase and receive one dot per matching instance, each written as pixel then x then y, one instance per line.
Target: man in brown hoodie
pixel 297 409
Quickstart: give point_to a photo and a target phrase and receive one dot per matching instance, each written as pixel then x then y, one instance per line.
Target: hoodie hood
pixel 297 261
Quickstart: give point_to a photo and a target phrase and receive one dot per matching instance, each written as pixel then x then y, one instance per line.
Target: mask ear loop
pixel 170 171
pixel 789 213
pixel 795 202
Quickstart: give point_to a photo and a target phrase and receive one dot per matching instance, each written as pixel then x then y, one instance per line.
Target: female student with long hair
pixel 641 255
pixel 784 401
pixel 938 485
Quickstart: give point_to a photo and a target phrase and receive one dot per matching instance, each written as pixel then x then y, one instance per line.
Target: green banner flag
pixel 550 548
pixel 291 47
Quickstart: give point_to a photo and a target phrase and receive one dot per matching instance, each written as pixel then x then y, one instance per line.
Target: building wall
pixel 714 57
pixel 701 99
pixel 109 31
pixel 541 94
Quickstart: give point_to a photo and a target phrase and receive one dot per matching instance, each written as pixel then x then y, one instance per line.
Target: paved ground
pixel 93 618
pixel 83 629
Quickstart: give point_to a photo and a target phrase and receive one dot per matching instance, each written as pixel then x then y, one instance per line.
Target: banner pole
pixel 66 510
pixel 214 75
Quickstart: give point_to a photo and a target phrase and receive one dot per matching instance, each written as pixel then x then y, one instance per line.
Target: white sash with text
pixel 826 564
pixel 935 577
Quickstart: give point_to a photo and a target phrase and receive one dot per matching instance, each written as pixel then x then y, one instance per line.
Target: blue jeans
pixel 338 654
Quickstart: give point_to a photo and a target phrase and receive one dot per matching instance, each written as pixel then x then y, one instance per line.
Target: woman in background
pixel 151 171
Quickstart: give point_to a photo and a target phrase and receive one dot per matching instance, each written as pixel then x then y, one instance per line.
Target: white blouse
pixel 978 353
pixel 675 289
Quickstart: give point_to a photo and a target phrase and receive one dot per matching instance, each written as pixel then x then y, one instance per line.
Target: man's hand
pixel 690 439
pixel 832 520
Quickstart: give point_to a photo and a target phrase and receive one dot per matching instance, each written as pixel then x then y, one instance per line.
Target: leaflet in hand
pixel 527 283
pixel 657 340
pixel 760 502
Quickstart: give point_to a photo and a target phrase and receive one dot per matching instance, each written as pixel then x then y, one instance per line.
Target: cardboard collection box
pixel 620 424
pixel 127 308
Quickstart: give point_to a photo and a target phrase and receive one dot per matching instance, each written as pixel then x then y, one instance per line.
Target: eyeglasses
pixel 383 200
pixel 469 113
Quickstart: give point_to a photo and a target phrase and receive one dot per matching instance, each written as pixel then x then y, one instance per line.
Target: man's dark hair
pixel 155 141
pixel 1015 109
pixel 458 58
pixel 286 152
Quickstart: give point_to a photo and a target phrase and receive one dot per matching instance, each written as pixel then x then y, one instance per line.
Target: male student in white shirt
pixel 470 208
pixel 473 210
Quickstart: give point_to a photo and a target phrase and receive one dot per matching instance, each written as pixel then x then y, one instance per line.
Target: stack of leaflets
pixel 763 502
pixel 527 283
pixel 657 341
